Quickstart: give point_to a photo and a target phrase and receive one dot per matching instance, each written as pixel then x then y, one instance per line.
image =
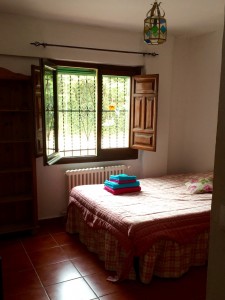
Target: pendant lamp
pixel 155 28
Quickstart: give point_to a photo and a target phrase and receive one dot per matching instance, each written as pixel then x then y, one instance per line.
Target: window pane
pixel 115 111
pixel 49 112
pixel 77 114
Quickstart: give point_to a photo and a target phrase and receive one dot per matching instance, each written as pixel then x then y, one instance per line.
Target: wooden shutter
pixel 50 113
pixel 144 112
pixel 36 84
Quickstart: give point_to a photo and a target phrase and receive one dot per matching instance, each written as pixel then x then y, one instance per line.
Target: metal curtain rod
pixel 37 44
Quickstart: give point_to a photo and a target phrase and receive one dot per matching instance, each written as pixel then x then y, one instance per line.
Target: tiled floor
pixel 54 265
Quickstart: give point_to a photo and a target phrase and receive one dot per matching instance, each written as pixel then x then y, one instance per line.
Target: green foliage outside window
pixel 77 108
pixel 49 111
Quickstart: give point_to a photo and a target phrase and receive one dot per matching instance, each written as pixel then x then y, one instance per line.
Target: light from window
pixel 77 114
pixel 87 113
pixel 49 112
pixel 115 111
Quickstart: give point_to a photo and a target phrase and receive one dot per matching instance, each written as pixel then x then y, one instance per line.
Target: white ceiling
pixel 184 17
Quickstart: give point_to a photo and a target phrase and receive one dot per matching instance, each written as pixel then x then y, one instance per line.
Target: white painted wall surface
pixel 194 106
pixel 17 54
pixel 155 163
pixel 188 102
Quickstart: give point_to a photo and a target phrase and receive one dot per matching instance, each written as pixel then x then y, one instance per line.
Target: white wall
pixel 194 105
pixel 188 101
pixel 17 54
pixel 18 32
pixel 155 163
pixel 178 91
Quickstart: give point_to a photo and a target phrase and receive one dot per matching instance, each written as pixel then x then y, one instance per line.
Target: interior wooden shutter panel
pixel 144 112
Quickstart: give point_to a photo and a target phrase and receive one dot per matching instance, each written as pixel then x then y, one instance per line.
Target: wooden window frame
pixel 37 104
pixel 114 154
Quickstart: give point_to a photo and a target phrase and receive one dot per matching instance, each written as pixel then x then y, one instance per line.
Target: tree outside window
pixel 87 113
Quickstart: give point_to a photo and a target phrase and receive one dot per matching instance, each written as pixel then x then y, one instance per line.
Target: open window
pixel 86 112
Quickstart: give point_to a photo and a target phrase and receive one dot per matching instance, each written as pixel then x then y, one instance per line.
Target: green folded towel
pixel 123 177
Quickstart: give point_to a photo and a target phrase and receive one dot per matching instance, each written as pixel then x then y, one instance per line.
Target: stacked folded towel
pixel 122 183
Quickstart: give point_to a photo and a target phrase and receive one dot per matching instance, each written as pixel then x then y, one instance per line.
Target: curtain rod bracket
pixel 37 44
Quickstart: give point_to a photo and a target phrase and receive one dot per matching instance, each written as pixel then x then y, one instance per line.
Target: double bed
pixel 162 230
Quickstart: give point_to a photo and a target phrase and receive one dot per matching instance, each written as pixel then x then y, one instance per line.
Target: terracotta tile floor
pixel 54 265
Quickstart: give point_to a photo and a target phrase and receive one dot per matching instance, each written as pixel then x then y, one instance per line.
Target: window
pixel 87 110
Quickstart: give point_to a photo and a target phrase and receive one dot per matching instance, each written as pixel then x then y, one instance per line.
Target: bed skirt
pixel 165 258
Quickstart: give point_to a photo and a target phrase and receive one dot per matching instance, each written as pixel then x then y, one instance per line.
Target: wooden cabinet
pixel 18 210
pixel 144 112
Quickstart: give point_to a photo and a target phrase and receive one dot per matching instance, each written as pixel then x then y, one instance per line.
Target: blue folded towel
pixel 115 185
pixel 123 177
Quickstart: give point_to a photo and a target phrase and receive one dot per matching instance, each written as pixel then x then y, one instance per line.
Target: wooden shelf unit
pixel 18 201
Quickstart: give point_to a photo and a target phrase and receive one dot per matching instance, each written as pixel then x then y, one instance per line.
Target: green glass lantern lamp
pixel 155 28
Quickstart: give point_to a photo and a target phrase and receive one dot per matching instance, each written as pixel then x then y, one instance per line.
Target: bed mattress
pixel 163 210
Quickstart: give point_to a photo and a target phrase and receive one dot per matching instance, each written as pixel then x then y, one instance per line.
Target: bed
pixel 162 230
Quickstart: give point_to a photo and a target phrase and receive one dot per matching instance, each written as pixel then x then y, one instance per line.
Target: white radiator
pixel 93 175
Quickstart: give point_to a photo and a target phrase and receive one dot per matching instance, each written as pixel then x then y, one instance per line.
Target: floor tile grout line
pixel 54 239
pixel 98 297
pixel 83 277
pixel 68 259
pixel 26 250
pixel 35 270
